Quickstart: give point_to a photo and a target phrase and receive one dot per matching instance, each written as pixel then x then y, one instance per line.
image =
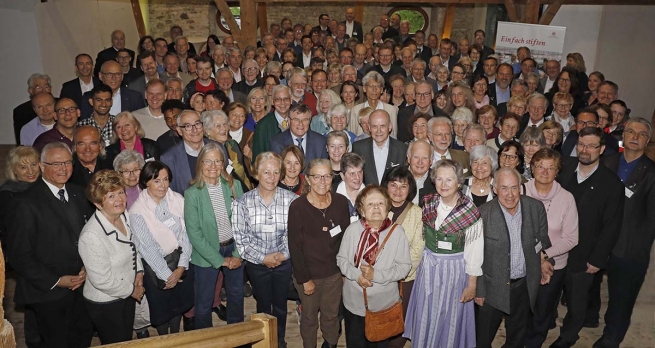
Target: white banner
pixel 544 41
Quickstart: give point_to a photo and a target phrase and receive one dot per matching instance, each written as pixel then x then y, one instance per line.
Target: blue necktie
pixel 299 141
pixel 62 196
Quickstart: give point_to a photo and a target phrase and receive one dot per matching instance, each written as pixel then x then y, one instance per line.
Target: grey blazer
pixel 397 156
pixel 494 284
pixel 139 84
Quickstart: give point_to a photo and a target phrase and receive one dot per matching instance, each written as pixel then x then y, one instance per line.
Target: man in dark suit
pixel 587 118
pixel 306 54
pixel 176 31
pixel 323 26
pixel 24 113
pixel 552 68
pixel 599 196
pixel 117 42
pixel 422 51
pixel 149 68
pixel 85 81
pixel 312 144
pixel 419 161
pixel 630 256
pixel 389 31
pixel 89 157
pixel 47 220
pixel 424 96
pixel 515 236
pixel 479 38
pixel 124 99
pixel 250 78
pixel 537 105
pixel 444 54
pixel 353 27
pixel 380 152
pixel 386 68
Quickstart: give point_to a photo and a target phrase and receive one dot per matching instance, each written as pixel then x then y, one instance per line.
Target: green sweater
pixel 265 130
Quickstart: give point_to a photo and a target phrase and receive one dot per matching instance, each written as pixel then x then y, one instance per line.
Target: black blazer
pixel 404 133
pixel 130 101
pixel 491 92
pixel 600 202
pixel 106 55
pixel 150 150
pixel 638 228
pixel 314 143
pixel 397 156
pixel 358 31
pixel 425 54
pixel 72 90
pixel 389 34
pixel 42 241
pixel 23 114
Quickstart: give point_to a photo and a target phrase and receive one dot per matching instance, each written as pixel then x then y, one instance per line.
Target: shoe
pixel 247 290
pixel 142 333
pixel 327 345
pixel 590 324
pixel 221 311
pixel 223 295
pixel 604 342
pixel 282 344
pixel 299 312
pixel 188 323
pixel 560 343
pixel 552 325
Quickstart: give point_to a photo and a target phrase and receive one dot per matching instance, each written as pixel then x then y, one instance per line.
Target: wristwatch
pixel 546 257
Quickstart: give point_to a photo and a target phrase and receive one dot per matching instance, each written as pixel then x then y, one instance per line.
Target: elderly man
pixel 600 197
pixel 172 69
pixel 151 117
pixel 182 51
pixel 170 108
pixel 380 152
pixel 522 53
pixel 66 115
pixel 552 67
pixel 229 42
pixel 499 91
pixel 630 256
pixel 182 158
pixel 101 101
pixel 174 88
pixel 124 99
pixel 175 32
pixel 312 144
pixel 218 54
pixel 473 135
pixel 406 58
pixel 85 81
pixel 388 32
pixel 353 27
pixel 386 68
pixel 251 77
pixel 440 130
pixel 149 68
pixel 403 32
pixel 298 85
pixel 422 51
pixel 43 104
pixel 24 113
pixel 109 54
pixel 516 235
pixel 89 156
pixel 608 92
pixel 274 122
pixel 424 103
pixel 417 74
pixel 359 62
pixel 373 84
pixel 419 159
pixel 50 216
pixel 234 60
pixel 349 73
pixel 537 105
pixel 225 79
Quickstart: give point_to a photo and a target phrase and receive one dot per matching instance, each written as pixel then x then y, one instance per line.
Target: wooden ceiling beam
pixel 550 13
pixel 229 18
pixel 511 11
pixel 262 20
pixel 448 20
pixel 138 18
pixel 543 2
pixel 532 12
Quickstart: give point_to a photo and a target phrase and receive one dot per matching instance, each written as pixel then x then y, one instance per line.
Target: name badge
pixel 150 159
pixel 229 169
pixel 628 192
pixel 354 218
pixel 537 248
pixel 335 231
pixel 444 245
pixel 268 228
pixel 169 223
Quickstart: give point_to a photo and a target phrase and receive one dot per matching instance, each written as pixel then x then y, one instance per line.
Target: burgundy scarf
pixel 367 248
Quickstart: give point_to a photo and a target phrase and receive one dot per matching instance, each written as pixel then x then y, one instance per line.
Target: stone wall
pixel 192 15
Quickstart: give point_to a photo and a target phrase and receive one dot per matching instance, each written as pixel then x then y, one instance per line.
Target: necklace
pixel 323 211
pixel 290 187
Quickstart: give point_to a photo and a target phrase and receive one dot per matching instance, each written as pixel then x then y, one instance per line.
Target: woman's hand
pixel 235 263
pixel 174 278
pixel 468 294
pixel 309 287
pixel 247 151
pixel 367 272
pixel 363 282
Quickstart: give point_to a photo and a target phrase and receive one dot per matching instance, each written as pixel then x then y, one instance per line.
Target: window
pixel 417 17
pixel 222 23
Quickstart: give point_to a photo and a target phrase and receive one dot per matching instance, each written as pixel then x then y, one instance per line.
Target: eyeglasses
pixel 423 95
pixel 565 80
pixel 301 120
pixel 507 156
pixel 318 177
pixel 563 105
pixel 544 169
pixel 282 100
pixel 247 70
pixel 587 124
pixel 631 133
pixel 69 110
pixel 134 172
pixel 113 75
pixel 209 162
pixel 59 164
pixel 585 146
pixel 187 127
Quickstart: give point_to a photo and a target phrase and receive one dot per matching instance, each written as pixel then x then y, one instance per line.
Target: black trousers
pixel 355 332
pixel 624 280
pixel 593 306
pixel 577 297
pixel 516 322
pixel 113 320
pixel 547 299
pixel 64 322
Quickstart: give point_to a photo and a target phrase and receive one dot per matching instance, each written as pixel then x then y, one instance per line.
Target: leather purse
pixel 387 323
pixel 172 260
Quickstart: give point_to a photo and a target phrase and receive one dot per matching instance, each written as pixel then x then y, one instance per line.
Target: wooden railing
pixel 7 338
pixel 260 331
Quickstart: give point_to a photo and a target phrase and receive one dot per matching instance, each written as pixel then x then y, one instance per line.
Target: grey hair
pixel 181 37
pixel 184 112
pixel 218 47
pixel 174 79
pixel 439 119
pixel 531 134
pixel 337 134
pixel 338 109
pixel 343 68
pixel 224 70
pixel 297 71
pixel 281 87
pixel 208 119
pixel 52 146
pixel 522 83
pixel 32 80
pixel 234 48
pixel 479 152
pixel 531 75
pixel 271 65
pixel 640 120
pixel 373 75
pixel 474 126
pixel 462 113
pixel 413 143
pixel 503 170
pixel 243 65
pixel 418 61
pixel 334 98
pixel 537 95
pixel 127 157
pixel 455 166
pixel 351 160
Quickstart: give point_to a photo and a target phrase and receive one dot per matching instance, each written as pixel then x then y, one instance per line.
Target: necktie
pixel 443 157
pixel 420 49
pixel 62 197
pixel 299 141
pixel 285 124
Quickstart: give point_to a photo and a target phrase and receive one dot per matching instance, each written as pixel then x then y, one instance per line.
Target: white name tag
pixel 444 245
pixel 229 169
pixel 169 223
pixel 335 231
pixel 628 192
pixel 537 248
pixel 150 159
pixel 354 218
pixel 268 228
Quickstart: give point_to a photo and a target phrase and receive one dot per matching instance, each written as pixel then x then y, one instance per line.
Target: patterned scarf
pixel 367 248
pixel 463 215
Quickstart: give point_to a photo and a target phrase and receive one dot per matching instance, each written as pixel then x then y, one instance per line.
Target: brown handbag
pixel 387 323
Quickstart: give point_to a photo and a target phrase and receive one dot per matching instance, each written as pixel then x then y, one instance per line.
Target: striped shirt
pixel 220 212
pixel 517 258
pixel 261 229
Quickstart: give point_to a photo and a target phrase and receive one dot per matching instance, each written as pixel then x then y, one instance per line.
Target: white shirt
pixel 420 182
pixel 349 28
pixel 86 87
pixel 530 124
pixel 437 157
pixel 303 141
pixel 55 190
pixel 237 75
pixel 306 60
pixel 549 85
pixel 116 106
pixel 380 156
pixel 580 178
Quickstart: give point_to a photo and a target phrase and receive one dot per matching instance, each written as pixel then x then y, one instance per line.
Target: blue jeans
pixel 270 287
pixel 206 287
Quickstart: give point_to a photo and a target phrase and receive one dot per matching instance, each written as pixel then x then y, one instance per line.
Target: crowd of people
pixel 345 170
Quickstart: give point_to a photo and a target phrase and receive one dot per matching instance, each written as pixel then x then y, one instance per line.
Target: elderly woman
pixel 363 117
pixel 337 144
pixel 334 75
pixel 510 154
pixel 562 216
pixel 352 176
pixel 208 209
pixel 442 77
pixel 128 135
pixel 595 79
pixel 326 100
pixel 468 64
pixel 373 257
pixel 215 124
pixel 440 312
pixel 562 103
pixel 461 118
pixel 128 164
pixel 532 79
pixel 402 189
pixel 459 94
pixel 349 93
pixel 479 85
pixel 397 83
pixel 409 93
pixel 236 115
pixel 553 134
pixel 316 222
pixel 258 106
pixel 338 118
pixel 517 104
pixel 418 126
pixel 259 224
pixel 509 126
pixel 114 273
pixel 157 220
pixel 293 165
pixel 532 140
pixel 487 117
pixel 479 187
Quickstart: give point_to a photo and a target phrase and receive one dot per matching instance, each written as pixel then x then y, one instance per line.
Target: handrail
pixel 260 331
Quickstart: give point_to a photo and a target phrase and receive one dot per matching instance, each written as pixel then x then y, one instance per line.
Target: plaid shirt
pixel 250 215
pixel 105 132
pixel 463 215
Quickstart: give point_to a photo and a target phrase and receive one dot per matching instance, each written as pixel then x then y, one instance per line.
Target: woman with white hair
pixel 461 118
pixel 484 162
pixel 326 100
pixel 337 119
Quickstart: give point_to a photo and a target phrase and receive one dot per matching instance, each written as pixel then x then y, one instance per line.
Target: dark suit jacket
pixel 42 243
pixel 72 90
pixel 176 159
pixel 425 54
pixel 139 84
pixel 486 51
pixel 397 156
pixel 451 63
pixel 171 48
pixel 463 158
pixel 130 101
pixel 611 144
pixel 393 70
pixel 494 283
pixel 265 130
pixel 404 132
pixel 358 31
pixel 491 92
pixel 638 228
pixel 244 88
pixel 600 205
pixel 389 34
pixel 315 144
pixel 106 55
pixel 23 114
pixel 428 187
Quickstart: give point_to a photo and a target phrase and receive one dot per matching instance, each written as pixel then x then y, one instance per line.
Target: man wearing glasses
pixel 274 122
pixel 424 104
pixel 250 77
pixel 587 117
pixel 123 98
pixel 66 115
pixel 298 86
pixel 311 143
pixel 386 68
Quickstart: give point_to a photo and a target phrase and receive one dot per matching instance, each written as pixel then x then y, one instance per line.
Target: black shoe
pixel 143 333
pixel 282 344
pixel 560 343
pixel 223 295
pixel 221 311
pixel 247 290
pixel 188 323
pixel 603 342
pixel 327 345
pixel 552 325
pixel 590 324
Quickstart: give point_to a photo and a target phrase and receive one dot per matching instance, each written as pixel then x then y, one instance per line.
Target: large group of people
pixel 349 171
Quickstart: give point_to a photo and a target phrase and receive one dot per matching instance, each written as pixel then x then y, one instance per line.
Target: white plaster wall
pixel 582 24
